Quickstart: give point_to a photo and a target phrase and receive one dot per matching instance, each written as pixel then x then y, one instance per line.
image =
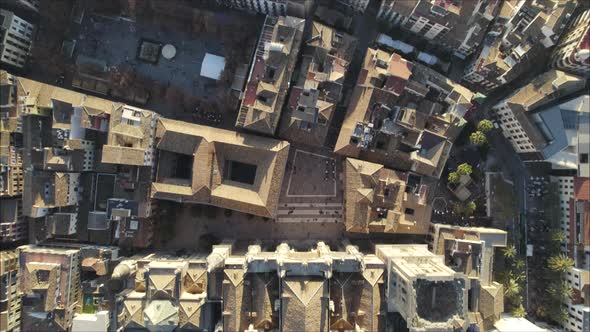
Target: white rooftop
pixel 91 322
pixel 212 66
pixel 508 323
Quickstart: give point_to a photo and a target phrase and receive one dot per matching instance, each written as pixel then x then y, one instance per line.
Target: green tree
pixel 558 313
pixel 519 311
pixel 560 289
pixel 519 264
pixel 560 263
pixel 478 138
pixel 458 208
pixel 511 288
pixel 485 125
pixel 454 177
pixel 464 169
pixel 470 208
pixel 509 252
pixel 558 236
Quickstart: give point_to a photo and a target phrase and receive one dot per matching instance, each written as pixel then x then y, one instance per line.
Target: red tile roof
pixel 395 84
pixel 294 97
pixel 252 86
pixel 582 189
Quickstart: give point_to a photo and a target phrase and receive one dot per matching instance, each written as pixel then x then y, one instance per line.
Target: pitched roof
pixel 304 305
pixel 212 150
pixel 269 77
pixel 376 200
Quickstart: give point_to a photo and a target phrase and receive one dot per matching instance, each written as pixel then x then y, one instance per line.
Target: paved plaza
pixel 117 40
pixel 313 187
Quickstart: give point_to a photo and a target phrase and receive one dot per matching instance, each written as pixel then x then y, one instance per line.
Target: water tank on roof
pixel 276 47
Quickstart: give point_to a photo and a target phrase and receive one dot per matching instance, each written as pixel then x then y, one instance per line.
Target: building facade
pixel 358 6
pixel 50 283
pixel 13 226
pixel 10 301
pixel 267 7
pixel 429 295
pixel 402 115
pixel 270 73
pixel 32 5
pixel 537 132
pixel 312 102
pixel 456 26
pixel 577 246
pixel 572 54
pixel 17 39
pixel 382 200
pixel 523 34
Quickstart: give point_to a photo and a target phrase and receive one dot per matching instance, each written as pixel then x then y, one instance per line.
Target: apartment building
pixel 456 26
pixel 10 301
pixel 94 311
pixel 523 35
pixel 266 7
pixel 11 168
pixel 67 150
pixel 381 200
pixel 52 190
pixel 541 124
pixel 358 6
pixel 402 115
pixel 130 137
pixel 470 250
pixel 17 39
pixel 32 5
pixel 50 284
pixel 66 138
pixel 308 112
pixel 132 229
pixel 199 164
pixel 270 73
pixel 572 54
pixel 578 307
pixel 577 245
pixel 565 188
pixel 429 295
pixel 13 227
pixel 10 114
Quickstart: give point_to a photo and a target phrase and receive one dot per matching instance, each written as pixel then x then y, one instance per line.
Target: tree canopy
pixel 478 138
pixel 560 263
pixel 485 125
pixel 454 177
pixel 464 169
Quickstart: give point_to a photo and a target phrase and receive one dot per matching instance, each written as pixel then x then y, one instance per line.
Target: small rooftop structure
pixel 212 66
pixel 169 52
